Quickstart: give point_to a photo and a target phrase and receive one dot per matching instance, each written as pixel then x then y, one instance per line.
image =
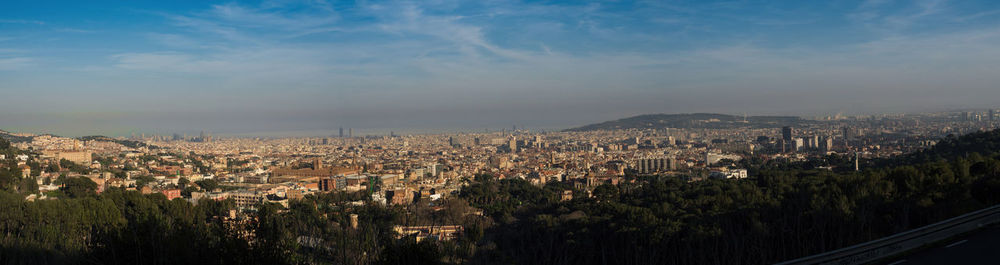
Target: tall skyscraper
pixel 848 133
pixel 992 115
pixel 341 132
pixel 827 144
pixel 654 164
pixel 798 144
pixel 350 132
pixel 512 145
pixel 787 133
pixel 857 156
pixel 204 137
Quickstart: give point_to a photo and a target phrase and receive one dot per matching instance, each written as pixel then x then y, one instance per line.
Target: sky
pixel 275 68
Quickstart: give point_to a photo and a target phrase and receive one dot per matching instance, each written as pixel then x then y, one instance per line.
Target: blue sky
pixel 308 67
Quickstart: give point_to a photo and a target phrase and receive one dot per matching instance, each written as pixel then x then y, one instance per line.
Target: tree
pixel 207 184
pixel 144 180
pixel 36 168
pixel 60 180
pixel 408 251
pixel 52 167
pixel 8 177
pixel 273 240
pixel 606 192
pixel 187 192
pixel 73 167
pixel 79 187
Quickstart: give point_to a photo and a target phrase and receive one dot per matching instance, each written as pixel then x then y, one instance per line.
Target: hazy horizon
pixel 271 67
pixel 320 131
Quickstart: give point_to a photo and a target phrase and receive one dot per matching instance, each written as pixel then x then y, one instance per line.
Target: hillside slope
pixel 692 121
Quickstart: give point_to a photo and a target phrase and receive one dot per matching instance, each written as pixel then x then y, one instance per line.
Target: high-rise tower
pixel 787 133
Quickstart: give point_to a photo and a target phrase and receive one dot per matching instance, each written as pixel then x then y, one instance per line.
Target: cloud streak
pixel 21 21
pixel 9 64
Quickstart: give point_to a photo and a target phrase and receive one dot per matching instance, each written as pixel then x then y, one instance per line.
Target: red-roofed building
pixel 172 193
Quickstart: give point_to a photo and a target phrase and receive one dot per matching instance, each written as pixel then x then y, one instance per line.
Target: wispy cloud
pixel 977 15
pixel 206 26
pixel 271 18
pixel 15 63
pixel 924 8
pixel 74 30
pixel 269 22
pixel 448 44
pixel 21 21
pixel 177 41
pixel 470 39
pixel 891 16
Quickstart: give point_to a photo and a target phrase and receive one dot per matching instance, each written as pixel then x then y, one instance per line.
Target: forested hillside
pixel 692 120
pixel 784 212
pixel 13 138
pixel 127 143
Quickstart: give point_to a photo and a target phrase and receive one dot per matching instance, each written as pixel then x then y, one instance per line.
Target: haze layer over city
pixel 499 132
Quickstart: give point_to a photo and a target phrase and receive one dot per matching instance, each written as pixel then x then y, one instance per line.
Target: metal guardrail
pixel 905 241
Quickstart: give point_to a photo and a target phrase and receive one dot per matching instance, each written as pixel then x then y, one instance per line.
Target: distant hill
pixel 14 138
pixel 22 139
pixel 692 121
pixel 128 143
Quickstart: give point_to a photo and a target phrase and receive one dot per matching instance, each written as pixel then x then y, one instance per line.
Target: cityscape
pixel 413 172
pixel 499 132
pixel 403 169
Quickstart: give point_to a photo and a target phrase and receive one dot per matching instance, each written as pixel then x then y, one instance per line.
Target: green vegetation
pixel 105 160
pixel 79 187
pixel 787 210
pixel 207 184
pixel 127 227
pixel 117 227
pixel 127 143
pixel 10 138
pixel 73 167
pixel 10 174
pixel 144 180
pixel 200 165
